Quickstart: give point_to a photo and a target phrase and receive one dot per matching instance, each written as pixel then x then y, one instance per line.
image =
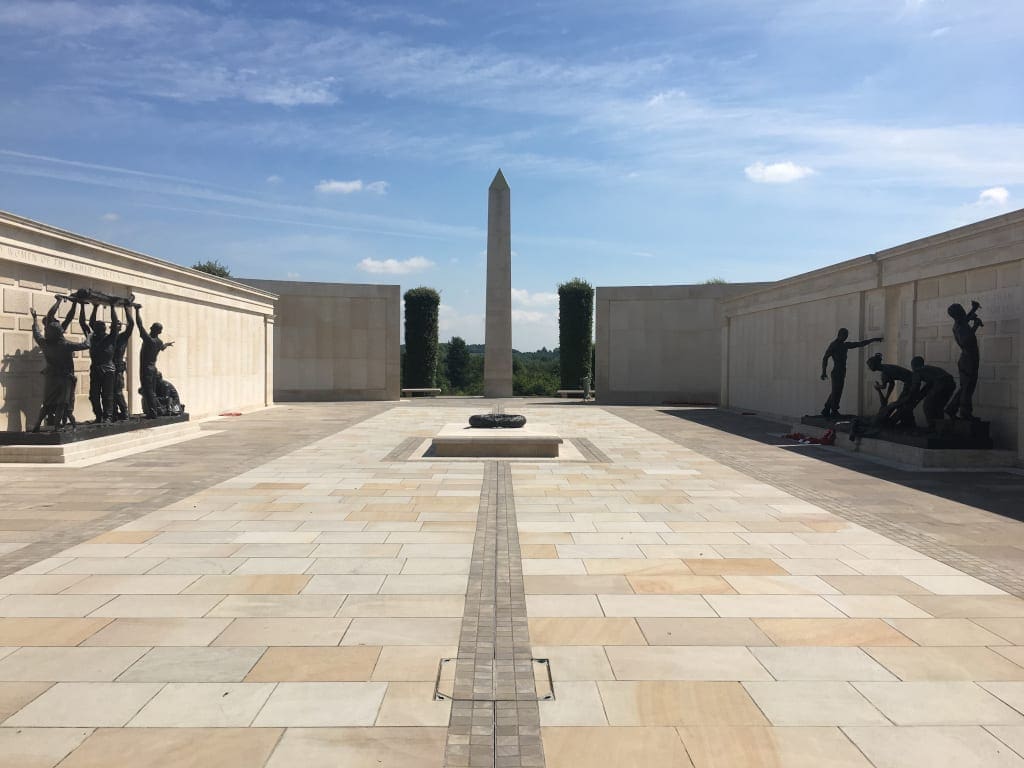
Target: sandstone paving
pixel 294 610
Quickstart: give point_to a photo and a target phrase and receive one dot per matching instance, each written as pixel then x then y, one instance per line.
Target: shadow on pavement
pixel 1000 492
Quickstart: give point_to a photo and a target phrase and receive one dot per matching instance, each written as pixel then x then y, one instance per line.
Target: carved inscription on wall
pixel 997 304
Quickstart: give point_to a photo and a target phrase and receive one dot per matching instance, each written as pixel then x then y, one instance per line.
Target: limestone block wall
pixel 901 293
pixel 222 358
pixel 660 343
pixel 335 341
pixel 775 337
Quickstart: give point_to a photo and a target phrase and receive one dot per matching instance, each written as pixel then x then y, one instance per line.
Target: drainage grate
pixel 440 695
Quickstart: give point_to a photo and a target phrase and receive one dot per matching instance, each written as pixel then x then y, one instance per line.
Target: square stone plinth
pixel 538 441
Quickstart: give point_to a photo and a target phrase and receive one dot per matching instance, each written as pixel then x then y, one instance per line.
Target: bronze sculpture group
pixel 107 346
pixel 929 386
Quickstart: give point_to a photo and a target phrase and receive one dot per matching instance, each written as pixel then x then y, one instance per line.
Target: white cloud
pixel 333 187
pixel 997 197
pixel 529 316
pixel 777 173
pixel 293 275
pixel 527 299
pixel 110 217
pixel 274 179
pixel 394 266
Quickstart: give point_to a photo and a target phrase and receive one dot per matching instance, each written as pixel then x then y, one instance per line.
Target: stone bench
pixel 573 393
pixel 421 391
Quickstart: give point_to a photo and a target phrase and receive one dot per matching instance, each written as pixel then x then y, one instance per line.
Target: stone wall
pixel 774 337
pixel 661 343
pixel 222 358
pixel 335 341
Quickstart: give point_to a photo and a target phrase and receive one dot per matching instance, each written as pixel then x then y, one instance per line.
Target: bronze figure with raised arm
pixel 59 382
pixel 120 347
pixel 101 369
pixel 965 329
pixel 838 350
pixel 152 346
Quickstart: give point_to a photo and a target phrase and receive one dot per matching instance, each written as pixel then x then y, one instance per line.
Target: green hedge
pixel 457 364
pixel 575 331
pixel 421 305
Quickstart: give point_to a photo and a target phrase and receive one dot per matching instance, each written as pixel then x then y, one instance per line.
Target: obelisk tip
pixel 499 181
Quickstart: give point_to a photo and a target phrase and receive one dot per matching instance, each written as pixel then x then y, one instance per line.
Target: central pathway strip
pixel 876 504
pixel 495 719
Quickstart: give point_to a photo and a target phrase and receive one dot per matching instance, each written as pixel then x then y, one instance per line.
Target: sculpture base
pixel 103 446
pixel 537 441
pixel 908 454
pixel 87 431
pixel 948 434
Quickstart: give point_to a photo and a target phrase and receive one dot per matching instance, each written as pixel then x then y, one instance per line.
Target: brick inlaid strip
pixel 495 720
pixel 590 451
pixel 404 450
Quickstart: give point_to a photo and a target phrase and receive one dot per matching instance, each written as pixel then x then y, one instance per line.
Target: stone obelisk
pixel 498 328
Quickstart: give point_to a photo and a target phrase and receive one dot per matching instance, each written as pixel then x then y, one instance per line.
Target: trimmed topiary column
pixel 575 331
pixel 421 306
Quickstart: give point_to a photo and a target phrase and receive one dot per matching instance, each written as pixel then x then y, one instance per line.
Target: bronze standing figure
pixel 838 350
pixel 965 328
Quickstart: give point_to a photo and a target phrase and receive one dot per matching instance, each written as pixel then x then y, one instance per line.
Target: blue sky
pixel 647 142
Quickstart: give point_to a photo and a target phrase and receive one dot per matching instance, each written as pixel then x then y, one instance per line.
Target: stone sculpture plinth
pixel 536 441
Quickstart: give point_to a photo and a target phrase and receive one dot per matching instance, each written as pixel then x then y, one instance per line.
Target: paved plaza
pixel 292 588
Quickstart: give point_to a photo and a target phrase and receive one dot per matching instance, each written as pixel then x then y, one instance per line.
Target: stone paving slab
pixel 291 609
pixel 48 509
pixel 969 520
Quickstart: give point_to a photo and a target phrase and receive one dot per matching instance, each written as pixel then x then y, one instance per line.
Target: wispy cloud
pixel 394 266
pixel 777 173
pixel 526 299
pixel 618 108
pixel 110 217
pixel 274 179
pixel 333 187
pixel 530 316
pixel 160 185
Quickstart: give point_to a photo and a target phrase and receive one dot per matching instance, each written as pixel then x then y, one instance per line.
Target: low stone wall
pixel 775 336
pixel 335 341
pixel 661 343
pixel 222 358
